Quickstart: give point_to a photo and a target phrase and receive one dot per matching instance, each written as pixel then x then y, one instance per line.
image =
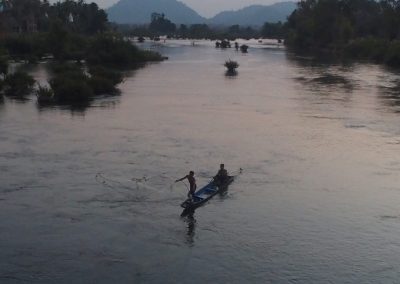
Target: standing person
pixel 192 183
pixel 221 176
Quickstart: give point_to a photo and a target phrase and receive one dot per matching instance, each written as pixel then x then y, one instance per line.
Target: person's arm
pixel 181 179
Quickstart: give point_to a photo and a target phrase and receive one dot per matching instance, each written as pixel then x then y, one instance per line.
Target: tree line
pixel 160 25
pixel 358 28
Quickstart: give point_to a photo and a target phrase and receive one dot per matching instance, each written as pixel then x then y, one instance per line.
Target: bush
pixel 18 84
pixel 3 66
pixel 26 47
pixel 114 76
pixel 113 51
pixel 64 67
pixel 231 65
pixel 393 54
pixel 71 86
pixel 103 81
pixel 102 85
pixel 44 94
pixel 367 48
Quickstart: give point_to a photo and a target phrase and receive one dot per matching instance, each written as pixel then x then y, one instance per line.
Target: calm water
pixel 318 202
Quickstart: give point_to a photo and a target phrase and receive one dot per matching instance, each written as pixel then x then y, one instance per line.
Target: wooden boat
pixel 206 193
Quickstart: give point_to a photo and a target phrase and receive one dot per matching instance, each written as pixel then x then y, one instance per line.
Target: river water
pixel 318 200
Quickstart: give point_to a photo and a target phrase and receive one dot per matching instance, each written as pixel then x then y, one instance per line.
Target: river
pixel 87 195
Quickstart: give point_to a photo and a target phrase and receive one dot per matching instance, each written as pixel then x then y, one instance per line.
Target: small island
pixel 231 66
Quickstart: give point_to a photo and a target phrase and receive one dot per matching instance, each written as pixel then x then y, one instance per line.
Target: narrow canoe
pixel 205 193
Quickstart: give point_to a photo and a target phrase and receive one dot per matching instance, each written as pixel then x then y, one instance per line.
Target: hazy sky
pixel 209 8
pixel 205 8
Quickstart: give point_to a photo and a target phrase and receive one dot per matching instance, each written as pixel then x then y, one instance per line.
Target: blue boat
pixel 205 193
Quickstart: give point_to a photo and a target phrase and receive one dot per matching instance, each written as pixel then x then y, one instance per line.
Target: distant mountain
pixel 139 12
pixel 255 15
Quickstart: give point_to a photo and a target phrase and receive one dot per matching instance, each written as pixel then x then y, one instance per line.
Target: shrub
pixel 231 65
pixel 71 86
pixel 44 94
pixel 26 47
pixel 103 81
pixel 113 51
pixel 3 66
pixel 367 48
pixel 393 54
pixel 114 76
pixel 75 47
pixel 102 85
pixel 64 67
pixel 18 84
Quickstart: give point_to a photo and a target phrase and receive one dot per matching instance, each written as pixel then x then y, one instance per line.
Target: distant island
pixel 138 12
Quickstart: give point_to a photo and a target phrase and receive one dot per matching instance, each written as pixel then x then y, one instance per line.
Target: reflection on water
pixel 75 109
pixel 110 102
pixel 231 74
pixel 191 226
pixel 323 73
pixel 390 94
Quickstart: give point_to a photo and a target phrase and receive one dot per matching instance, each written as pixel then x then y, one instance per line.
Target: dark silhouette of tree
pixel 161 25
pixel 324 23
pixel 273 30
pixel 359 28
pixel 183 31
pixel 199 31
pixel 79 17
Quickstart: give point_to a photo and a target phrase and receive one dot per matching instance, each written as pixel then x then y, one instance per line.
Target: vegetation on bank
pixel 87 57
pixel 18 84
pixel 361 29
pixel 161 26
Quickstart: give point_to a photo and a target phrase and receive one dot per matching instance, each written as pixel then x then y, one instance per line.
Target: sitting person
pixel 221 176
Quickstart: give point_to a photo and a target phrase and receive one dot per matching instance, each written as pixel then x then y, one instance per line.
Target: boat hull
pixel 205 193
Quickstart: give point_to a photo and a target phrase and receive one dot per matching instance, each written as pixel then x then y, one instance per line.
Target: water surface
pixel 318 201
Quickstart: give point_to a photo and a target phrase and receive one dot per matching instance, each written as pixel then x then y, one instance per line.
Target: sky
pixel 206 8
